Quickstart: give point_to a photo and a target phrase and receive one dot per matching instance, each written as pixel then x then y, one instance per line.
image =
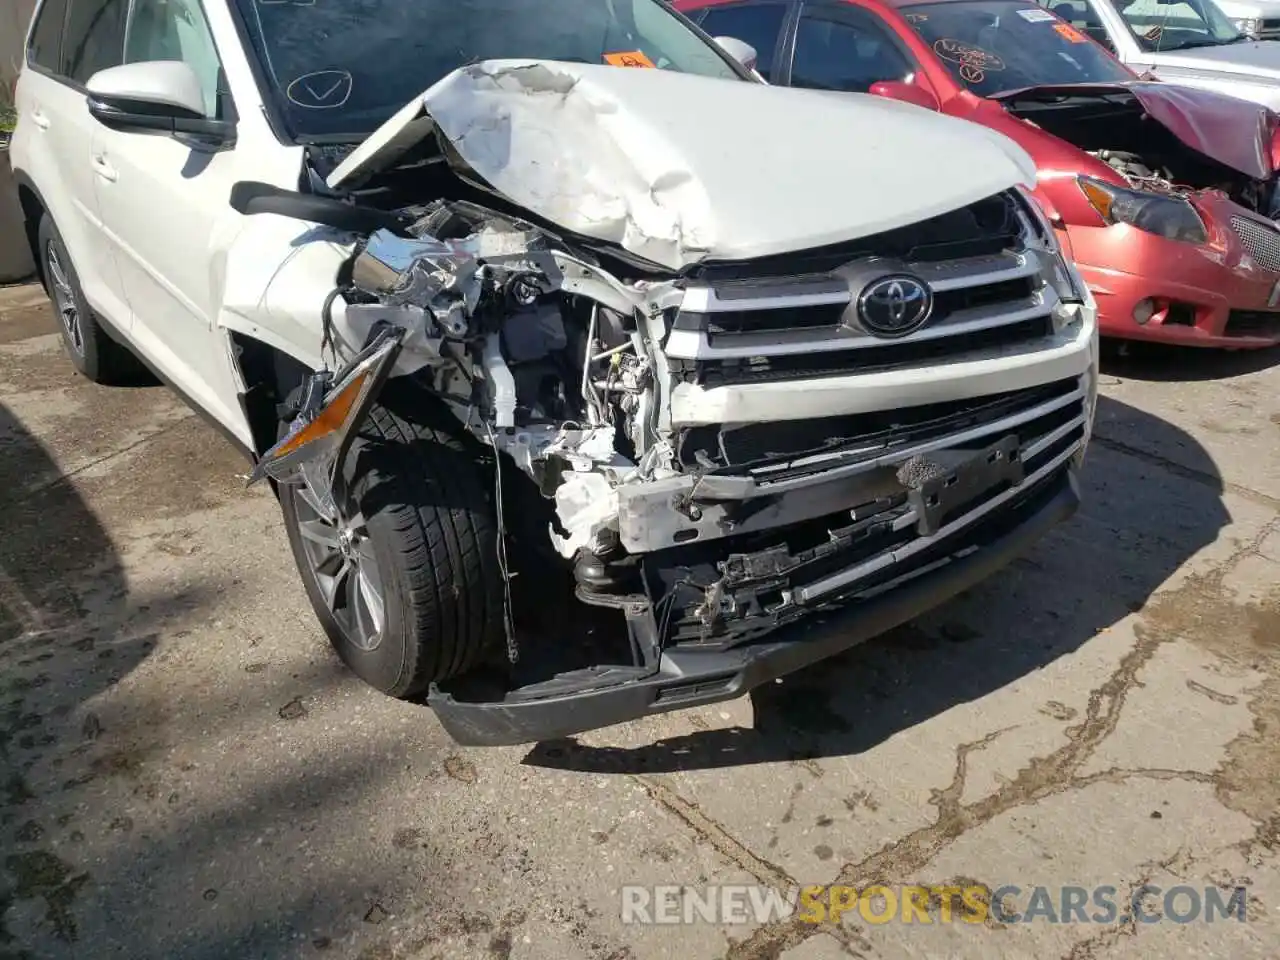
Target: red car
pixel 1165 196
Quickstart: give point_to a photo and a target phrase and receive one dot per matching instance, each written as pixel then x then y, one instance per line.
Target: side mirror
pixel 907 92
pixel 161 95
pixel 740 50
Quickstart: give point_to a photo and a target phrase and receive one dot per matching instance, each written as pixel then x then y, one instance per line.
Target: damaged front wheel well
pixel 269 376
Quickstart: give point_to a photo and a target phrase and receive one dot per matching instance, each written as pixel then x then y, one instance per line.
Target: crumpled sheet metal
pixel 599 152
pixel 565 149
pixel 1234 132
pixel 1237 133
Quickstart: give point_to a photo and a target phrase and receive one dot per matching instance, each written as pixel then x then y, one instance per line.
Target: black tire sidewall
pixel 89 363
pixel 388 667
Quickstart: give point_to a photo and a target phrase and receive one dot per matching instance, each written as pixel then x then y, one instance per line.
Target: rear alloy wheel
pixel 91 350
pixel 64 301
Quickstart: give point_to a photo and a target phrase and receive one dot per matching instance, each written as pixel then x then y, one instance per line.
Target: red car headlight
pixel 1173 218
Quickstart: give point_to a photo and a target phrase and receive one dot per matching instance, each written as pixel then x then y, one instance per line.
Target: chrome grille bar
pixel 691 337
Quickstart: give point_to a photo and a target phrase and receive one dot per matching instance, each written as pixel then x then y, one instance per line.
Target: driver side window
pixel 175 30
pixel 845 50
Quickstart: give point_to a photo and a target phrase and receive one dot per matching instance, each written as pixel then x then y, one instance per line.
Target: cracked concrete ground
pixel 186 771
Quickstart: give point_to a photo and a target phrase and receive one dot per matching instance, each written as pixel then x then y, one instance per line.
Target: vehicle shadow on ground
pixel 83 751
pixel 1136 527
pixel 70 629
pixel 1161 363
pixel 57 566
pixel 51 538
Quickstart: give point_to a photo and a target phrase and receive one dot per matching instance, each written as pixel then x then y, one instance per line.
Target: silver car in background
pixel 1189 42
pixel 1257 19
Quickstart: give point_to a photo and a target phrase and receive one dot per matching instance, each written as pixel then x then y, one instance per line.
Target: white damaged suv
pixel 598 380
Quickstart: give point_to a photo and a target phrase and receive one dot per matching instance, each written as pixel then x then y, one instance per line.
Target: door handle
pixel 103 169
pixel 39 119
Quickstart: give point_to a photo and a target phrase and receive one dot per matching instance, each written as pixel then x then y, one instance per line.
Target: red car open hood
pixel 1237 133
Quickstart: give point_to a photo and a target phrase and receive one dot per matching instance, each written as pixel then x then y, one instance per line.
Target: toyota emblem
pixel 894 306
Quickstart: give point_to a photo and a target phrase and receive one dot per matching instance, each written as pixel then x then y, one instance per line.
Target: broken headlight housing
pixel 1173 218
pixel 1059 272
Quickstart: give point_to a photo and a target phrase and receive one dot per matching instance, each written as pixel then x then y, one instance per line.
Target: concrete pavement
pixel 186 771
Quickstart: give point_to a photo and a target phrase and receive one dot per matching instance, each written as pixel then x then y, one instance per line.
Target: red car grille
pixel 1261 241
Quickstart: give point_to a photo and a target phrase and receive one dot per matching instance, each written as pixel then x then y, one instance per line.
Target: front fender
pixel 277 275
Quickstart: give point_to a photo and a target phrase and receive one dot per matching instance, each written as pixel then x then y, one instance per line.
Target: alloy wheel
pixel 64 300
pixel 341 560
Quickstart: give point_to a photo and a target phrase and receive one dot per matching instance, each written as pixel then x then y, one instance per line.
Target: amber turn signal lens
pixel 330 418
pixel 1099 198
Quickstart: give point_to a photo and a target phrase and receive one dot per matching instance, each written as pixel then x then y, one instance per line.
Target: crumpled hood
pixel 678 168
pixel 1236 133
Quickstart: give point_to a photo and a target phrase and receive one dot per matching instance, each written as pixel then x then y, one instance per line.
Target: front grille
pixel 772 324
pixel 871 359
pixel 988 294
pixel 1261 241
pixel 725 325
pixel 1253 323
pixel 949 302
pixel 730 448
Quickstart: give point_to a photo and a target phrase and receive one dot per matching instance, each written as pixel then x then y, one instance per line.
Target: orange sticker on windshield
pixel 632 58
pixel 1070 32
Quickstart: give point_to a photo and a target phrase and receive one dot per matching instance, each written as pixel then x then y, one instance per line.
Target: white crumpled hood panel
pixel 678 168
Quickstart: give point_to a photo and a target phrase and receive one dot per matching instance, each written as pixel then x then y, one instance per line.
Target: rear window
pixel 94 39
pixel 77 38
pixel 45 50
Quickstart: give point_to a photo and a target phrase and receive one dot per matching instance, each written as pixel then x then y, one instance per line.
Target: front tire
pixel 92 352
pixel 410 593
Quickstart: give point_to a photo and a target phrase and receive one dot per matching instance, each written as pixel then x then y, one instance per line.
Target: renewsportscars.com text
pixel 976 904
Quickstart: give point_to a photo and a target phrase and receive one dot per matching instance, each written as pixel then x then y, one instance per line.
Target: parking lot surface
pixel 186 771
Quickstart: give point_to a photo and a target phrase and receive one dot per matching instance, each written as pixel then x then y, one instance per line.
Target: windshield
pixel 338 70
pixel 997 45
pixel 1178 25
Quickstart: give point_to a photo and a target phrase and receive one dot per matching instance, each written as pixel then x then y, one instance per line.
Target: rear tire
pixel 427 556
pixel 91 350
